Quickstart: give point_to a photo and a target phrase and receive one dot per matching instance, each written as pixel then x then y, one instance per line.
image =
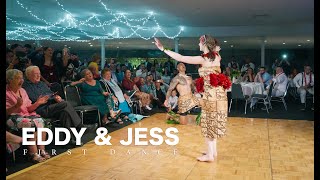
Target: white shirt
pixel 244 67
pixel 114 77
pixel 303 79
pixel 173 101
pixel 230 65
pixel 280 82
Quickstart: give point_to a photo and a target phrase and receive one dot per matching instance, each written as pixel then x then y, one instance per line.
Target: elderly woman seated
pixel 21 113
pixel 109 85
pixel 129 85
pixel 91 93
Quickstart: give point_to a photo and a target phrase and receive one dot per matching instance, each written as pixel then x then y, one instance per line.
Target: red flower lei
pixel 200 85
pixel 215 81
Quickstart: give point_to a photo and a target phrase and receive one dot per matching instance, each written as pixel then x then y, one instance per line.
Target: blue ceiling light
pixel 284 56
pixel 87 28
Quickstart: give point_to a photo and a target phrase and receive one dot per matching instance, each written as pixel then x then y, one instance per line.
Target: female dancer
pixel 213 84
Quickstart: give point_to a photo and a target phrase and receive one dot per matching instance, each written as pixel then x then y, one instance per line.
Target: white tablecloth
pixel 252 88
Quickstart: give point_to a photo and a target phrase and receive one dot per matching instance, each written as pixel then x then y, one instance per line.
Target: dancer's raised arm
pixel 179 57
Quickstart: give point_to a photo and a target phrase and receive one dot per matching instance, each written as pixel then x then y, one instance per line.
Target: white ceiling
pixel 242 23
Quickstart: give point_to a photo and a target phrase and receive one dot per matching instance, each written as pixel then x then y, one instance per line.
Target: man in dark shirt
pixel 72 68
pixel 56 107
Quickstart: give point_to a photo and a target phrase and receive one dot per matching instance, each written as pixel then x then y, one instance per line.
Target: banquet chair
pixel 133 102
pixel 308 96
pixel 237 93
pixel 281 98
pixel 73 97
pixel 264 97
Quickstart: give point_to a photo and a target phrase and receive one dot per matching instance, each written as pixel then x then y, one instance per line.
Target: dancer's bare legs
pixel 215 148
pixel 211 152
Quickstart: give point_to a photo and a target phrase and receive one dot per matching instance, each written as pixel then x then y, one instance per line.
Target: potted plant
pixel 235 74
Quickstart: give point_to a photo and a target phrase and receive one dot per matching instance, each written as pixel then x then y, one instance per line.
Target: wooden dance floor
pixel 253 149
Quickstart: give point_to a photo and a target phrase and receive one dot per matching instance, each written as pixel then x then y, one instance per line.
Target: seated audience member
pixel 160 92
pixel 149 86
pixel 263 77
pixel 111 62
pixel 155 74
pixel 248 76
pixel 94 67
pixel 305 83
pixel 119 73
pixel 120 99
pixel 233 64
pixel 227 71
pixel 129 85
pixel 140 83
pixel 56 107
pixel 22 112
pixel 112 69
pixel 173 101
pixel 166 75
pixel 128 65
pixel 142 71
pixel 91 93
pixel 280 82
pixel 293 74
pixel 247 64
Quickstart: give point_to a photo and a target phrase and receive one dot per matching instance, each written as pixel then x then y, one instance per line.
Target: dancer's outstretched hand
pixel 158 44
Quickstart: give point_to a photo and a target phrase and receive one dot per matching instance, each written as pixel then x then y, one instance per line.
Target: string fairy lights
pixel 117 26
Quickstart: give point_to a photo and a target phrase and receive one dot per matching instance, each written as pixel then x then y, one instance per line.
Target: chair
pixel 293 91
pixel 237 93
pixel 281 98
pixel 308 96
pixel 296 95
pixel 133 101
pixel 73 97
pixel 264 98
